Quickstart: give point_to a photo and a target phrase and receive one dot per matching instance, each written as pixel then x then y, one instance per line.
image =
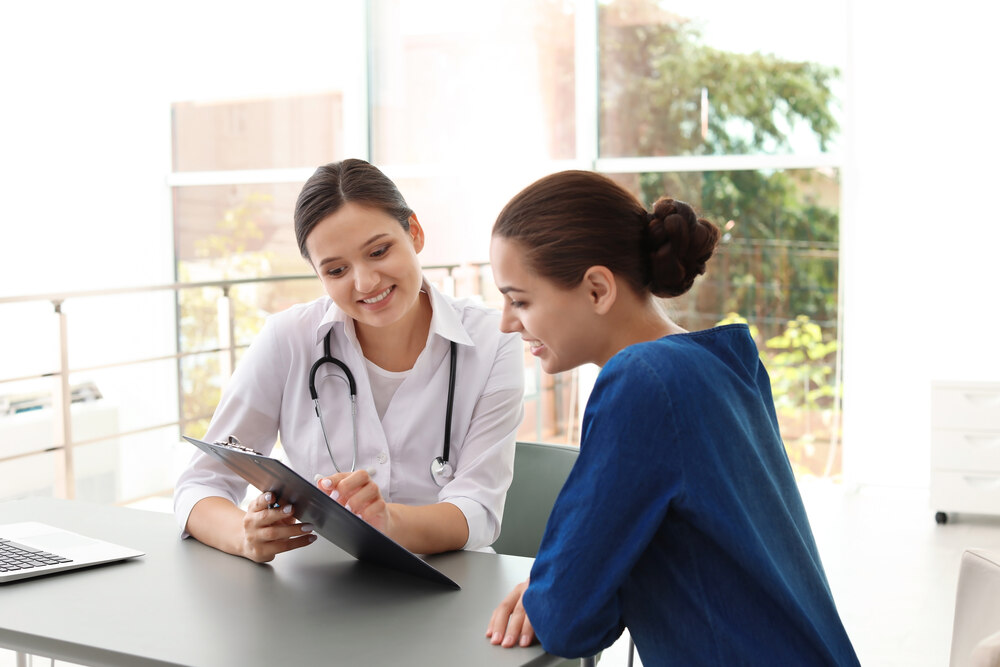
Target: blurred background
pixel 151 153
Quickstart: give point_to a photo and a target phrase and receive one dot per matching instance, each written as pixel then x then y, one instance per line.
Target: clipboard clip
pixel 232 442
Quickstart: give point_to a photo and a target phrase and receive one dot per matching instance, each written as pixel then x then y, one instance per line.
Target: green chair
pixel 539 472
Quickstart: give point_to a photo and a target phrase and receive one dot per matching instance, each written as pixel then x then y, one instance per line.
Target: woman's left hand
pixel 510 625
pixel 357 492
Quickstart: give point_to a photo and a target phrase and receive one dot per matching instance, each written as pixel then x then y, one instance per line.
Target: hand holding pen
pixel 270 529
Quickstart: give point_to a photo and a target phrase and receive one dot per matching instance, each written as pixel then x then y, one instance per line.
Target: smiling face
pixel 368 264
pixel 553 321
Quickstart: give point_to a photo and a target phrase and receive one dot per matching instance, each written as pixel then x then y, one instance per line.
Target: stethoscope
pixel 441 470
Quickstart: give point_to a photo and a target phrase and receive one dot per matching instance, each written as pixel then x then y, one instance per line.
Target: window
pixel 721 105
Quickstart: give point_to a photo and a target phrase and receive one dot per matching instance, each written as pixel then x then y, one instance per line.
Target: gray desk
pixel 187 604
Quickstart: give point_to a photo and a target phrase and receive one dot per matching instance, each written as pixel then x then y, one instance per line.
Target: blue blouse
pixel 682 521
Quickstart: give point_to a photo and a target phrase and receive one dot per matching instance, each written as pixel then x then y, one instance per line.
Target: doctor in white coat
pixel 396 335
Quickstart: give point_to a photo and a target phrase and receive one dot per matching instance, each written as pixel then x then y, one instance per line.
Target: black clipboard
pixel 330 519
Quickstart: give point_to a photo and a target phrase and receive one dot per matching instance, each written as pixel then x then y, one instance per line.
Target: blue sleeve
pixel 608 511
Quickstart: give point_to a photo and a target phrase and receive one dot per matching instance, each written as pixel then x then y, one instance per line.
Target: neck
pixel 397 346
pixel 635 321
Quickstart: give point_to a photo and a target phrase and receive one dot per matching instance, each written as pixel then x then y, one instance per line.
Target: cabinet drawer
pixel 978 493
pixel 965 450
pixel 971 407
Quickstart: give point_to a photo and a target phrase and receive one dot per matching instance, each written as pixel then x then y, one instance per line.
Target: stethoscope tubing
pixel 440 463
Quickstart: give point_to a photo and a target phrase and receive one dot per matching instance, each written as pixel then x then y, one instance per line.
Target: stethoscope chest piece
pixel 441 471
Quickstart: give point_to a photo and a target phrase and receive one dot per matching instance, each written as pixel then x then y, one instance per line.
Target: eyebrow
pixel 507 290
pixel 366 243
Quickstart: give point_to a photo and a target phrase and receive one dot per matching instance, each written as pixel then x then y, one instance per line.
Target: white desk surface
pixel 187 604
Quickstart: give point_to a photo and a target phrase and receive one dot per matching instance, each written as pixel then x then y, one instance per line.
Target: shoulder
pixel 685 359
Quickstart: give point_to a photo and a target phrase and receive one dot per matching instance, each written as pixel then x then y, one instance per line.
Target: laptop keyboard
pixel 14 556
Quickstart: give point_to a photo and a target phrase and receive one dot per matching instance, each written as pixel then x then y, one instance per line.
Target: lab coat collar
pixel 445 320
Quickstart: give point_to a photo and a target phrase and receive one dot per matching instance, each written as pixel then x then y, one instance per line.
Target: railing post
pixel 62 398
pixel 227 333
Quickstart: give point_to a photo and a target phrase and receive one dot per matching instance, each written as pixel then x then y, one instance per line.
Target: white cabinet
pixel 965 448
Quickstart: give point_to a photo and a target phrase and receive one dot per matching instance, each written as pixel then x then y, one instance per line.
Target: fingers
pixel 354 488
pixel 261 502
pixel 357 492
pixel 269 530
pixel 509 625
pixel 329 484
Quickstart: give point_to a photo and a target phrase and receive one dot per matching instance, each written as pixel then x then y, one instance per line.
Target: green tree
pixel 665 92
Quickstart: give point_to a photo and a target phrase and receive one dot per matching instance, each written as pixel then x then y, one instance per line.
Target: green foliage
pixel 779 249
pixel 222 255
pixel 653 75
pixel 800 361
pixel 801 364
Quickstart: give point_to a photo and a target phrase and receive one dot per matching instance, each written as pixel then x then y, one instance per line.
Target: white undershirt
pixel 384 385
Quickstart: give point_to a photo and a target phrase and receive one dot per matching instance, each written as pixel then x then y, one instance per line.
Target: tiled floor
pixel 892 569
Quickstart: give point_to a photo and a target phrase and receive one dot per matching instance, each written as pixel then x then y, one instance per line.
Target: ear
pixel 601 287
pixel 416 233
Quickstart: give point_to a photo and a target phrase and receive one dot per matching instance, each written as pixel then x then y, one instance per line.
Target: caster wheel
pixel 941 517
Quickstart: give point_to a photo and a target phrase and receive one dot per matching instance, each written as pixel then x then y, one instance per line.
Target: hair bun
pixel 679 244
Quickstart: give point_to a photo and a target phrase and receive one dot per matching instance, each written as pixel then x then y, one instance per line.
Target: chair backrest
pixel 975 639
pixel 539 472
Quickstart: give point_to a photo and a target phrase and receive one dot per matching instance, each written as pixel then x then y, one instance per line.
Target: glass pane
pixel 777 269
pixel 36 338
pixel 262 87
pixel 457 209
pixel 456 79
pixel 294 131
pixel 719 78
pixel 29 476
pixel 236 231
pixel 145 331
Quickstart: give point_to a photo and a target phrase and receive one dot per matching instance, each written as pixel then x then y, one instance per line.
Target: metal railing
pixel 63 442
pixel 558 393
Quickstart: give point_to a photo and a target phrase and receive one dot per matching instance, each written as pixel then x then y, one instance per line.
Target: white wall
pixel 921 224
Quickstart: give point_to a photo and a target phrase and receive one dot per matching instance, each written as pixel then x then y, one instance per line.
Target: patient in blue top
pixel 681 519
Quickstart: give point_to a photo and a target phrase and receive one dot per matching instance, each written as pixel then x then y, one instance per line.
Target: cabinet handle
pixel 982 398
pixel 983 441
pixel 982 481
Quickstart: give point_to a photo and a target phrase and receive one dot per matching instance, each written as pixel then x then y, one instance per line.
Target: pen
pixel 267 498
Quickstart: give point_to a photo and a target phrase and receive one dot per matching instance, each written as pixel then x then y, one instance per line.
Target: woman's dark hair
pixel 333 185
pixel 572 220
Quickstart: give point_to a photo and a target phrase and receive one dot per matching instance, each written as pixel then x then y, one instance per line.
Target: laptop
pixel 31 549
pixel 330 519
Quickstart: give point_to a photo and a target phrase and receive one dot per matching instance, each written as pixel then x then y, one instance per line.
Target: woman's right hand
pixel 269 531
pixel 510 625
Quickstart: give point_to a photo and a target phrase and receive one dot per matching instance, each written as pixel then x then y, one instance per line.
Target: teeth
pixel 376 299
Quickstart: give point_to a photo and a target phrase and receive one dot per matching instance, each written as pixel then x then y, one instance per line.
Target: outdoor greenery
pixel 665 92
pixel 220 255
pixel 656 80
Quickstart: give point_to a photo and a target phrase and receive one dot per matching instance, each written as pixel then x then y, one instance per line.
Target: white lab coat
pixel 268 397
